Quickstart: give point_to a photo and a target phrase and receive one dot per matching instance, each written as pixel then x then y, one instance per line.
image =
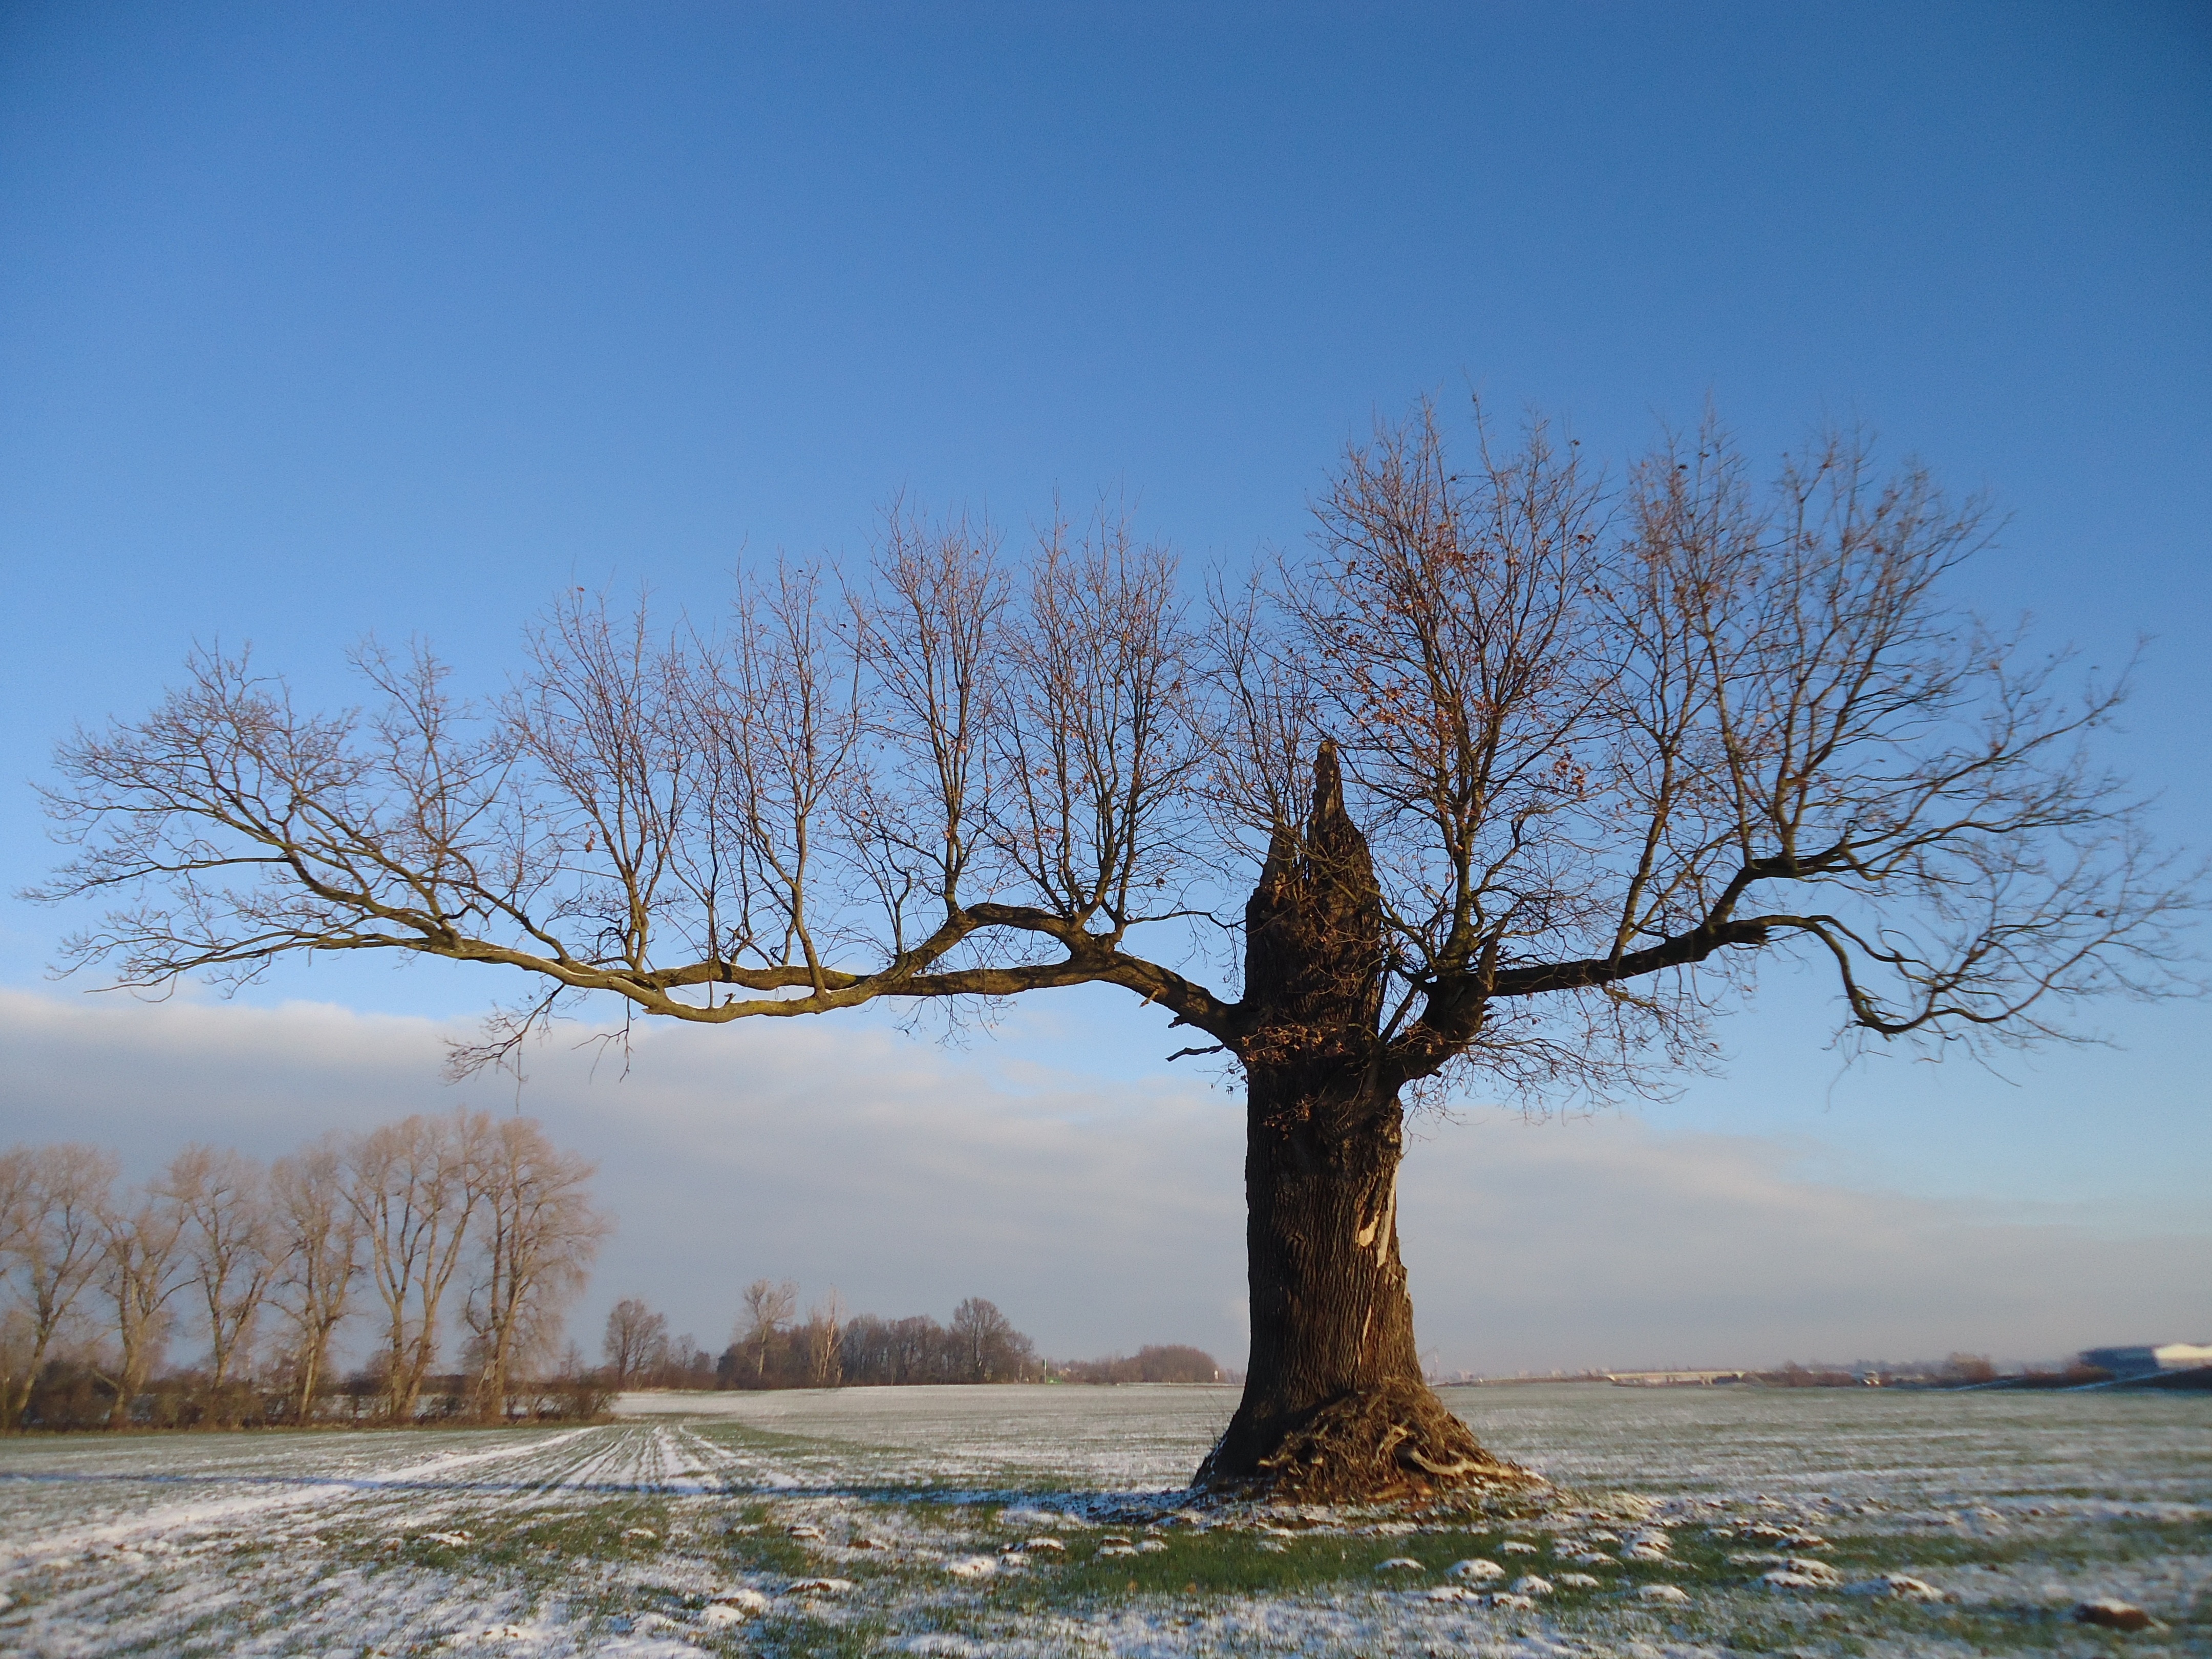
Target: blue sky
pixel 315 321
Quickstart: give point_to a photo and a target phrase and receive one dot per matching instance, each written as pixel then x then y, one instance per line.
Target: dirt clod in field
pixel 2112 1615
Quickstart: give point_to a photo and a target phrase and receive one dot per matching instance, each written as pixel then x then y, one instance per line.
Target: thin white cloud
pixel 1102 1217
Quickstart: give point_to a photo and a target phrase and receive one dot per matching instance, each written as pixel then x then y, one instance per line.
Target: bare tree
pixel 636 1339
pixel 318 1234
pixel 140 1275
pixel 687 1365
pixel 55 1200
pixel 823 1341
pixel 535 1242
pixel 768 1310
pixel 412 1188
pixel 989 1348
pixel 220 1200
pixel 1525 774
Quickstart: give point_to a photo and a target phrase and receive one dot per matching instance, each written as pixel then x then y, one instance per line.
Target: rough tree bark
pixel 1334 1406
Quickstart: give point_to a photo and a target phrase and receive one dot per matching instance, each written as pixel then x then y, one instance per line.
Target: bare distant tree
pixel 980 1333
pixel 636 1339
pixel 227 1246
pixel 56 1238
pixel 319 1235
pixel 140 1276
pixel 873 1350
pixel 412 1188
pixel 768 1310
pixel 535 1242
pixel 687 1365
pixel 823 1341
pixel 1522 775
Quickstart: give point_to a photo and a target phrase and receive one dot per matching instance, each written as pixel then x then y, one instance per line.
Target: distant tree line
pixel 1172 1362
pixel 772 1347
pixel 465 1225
pixel 214 1294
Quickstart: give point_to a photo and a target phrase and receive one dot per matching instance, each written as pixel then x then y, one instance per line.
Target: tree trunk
pixel 1334 1407
pixel 311 1373
pixel 130 1381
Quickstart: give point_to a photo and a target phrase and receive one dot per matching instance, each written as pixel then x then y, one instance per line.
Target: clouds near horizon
pixel 1102 1215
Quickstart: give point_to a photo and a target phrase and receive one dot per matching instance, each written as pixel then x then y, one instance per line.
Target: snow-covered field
pixel 1045 1521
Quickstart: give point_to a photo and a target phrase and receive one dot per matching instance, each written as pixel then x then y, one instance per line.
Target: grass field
pixel 1043 1520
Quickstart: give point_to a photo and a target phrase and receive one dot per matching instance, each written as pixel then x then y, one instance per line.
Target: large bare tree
pixel 413 1189
pixel 535 1241
pixel 1524 773
pixel 822 1341
pixel 318 1237
pixel 636 1341
pixel 141 1274
pixel 54 1240
pixel 987 1348
pixel 769 1308
pixel 226 1242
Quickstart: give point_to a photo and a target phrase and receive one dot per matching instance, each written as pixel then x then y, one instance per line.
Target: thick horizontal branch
pixel 1594 972
pixel 911 976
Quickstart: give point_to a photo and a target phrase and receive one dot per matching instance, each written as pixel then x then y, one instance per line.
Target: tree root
pixel 1379 1445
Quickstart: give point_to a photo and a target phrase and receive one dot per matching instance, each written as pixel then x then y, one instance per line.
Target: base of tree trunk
pixel 1385 1445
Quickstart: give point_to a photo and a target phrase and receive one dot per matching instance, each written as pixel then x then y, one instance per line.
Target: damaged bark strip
pixel 1334 1407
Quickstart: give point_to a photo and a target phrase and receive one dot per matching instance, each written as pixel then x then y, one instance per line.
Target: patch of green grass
pixel 798 1635
pixel 2125 1538
pixel 772 1550
pixel 596 1534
